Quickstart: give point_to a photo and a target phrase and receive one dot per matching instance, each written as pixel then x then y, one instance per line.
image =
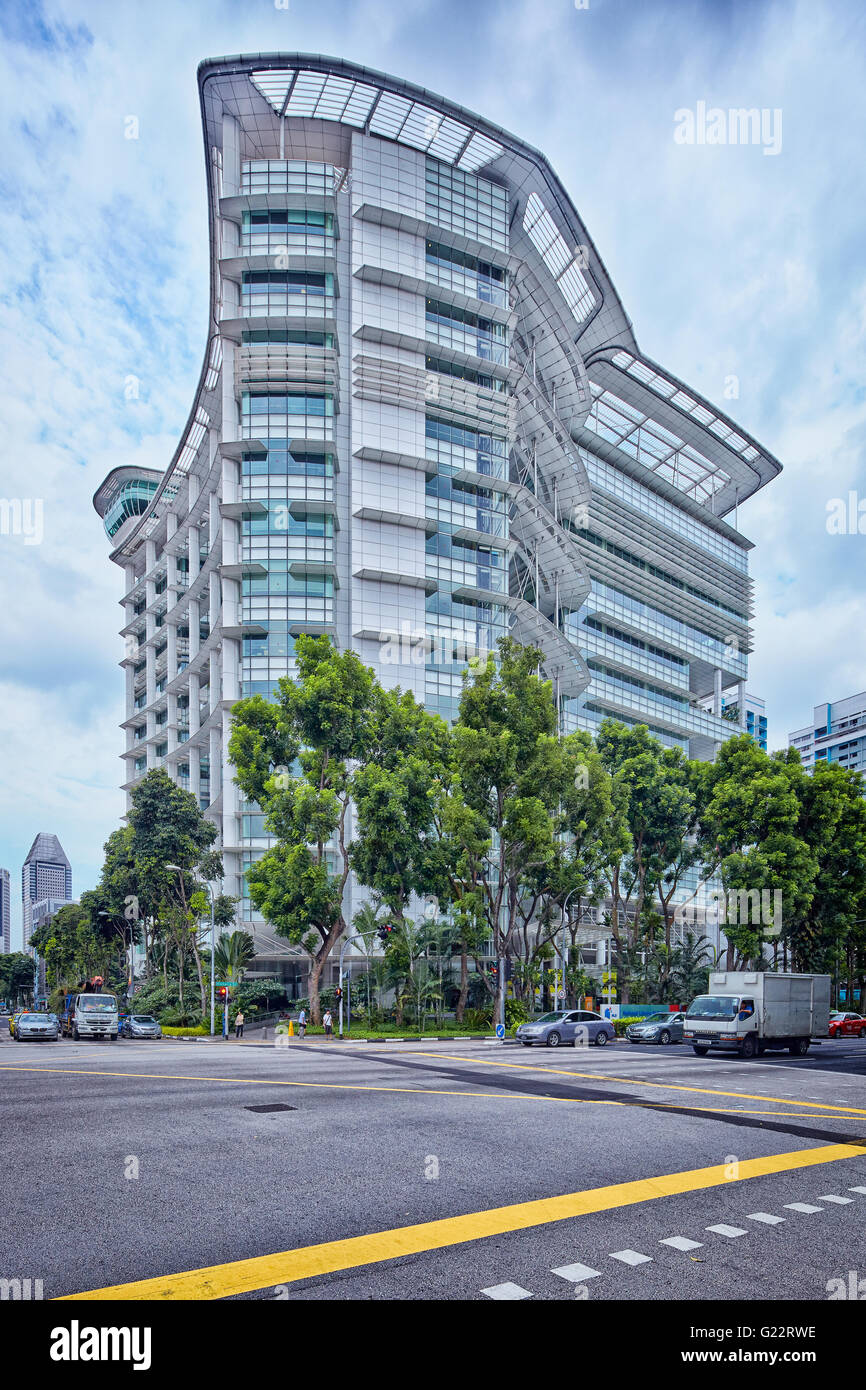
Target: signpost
pixel 500 1031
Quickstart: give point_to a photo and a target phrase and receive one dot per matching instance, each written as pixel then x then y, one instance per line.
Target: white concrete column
pixel 194 617
pixel 194 722
pixel 717 692
pixel 741 703
pixel 215 764
pixel 231 657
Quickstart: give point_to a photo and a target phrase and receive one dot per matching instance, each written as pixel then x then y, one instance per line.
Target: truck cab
pixel 726 1021
pixel 90 1016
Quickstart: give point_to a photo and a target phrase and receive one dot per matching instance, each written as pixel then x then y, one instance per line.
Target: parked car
pixel 140 1026
pixel 567 1026
pixel 661 1028
pixel 847 1025
pixel 13 1018
pixel 28 1026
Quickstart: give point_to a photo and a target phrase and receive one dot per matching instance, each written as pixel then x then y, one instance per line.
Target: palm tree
pixel 690 965
pixel 232 955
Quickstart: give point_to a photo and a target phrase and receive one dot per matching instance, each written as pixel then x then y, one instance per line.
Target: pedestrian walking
pixel 302 1023
pixel 239 1024
pixel 329 1024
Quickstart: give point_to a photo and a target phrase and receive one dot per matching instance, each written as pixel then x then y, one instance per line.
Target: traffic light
pixel 222 993
pixel 384 933
pixel 338 994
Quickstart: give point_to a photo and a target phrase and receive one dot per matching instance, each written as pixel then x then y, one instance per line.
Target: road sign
pixel 226 984
pixel 500 1030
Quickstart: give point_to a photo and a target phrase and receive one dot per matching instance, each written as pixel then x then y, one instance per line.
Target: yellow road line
pixel 246 1276
pixel 634 1081
pixel 476 1095
pixel 321 1085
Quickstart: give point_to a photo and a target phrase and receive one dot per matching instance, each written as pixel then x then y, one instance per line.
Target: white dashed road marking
pixel 574 1273
pixel 506 1291
pixel 631 1257
pixel 840 1201
pixel 801 1206
pixel 858 1189
pixel 680 1243
pixel 765 1216
pixel 723 1230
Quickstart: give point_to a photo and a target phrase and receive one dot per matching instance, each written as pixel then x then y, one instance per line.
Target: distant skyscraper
pixel 47 873
pixel 5 913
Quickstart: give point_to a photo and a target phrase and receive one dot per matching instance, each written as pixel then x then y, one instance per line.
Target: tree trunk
pixel 316 965
pixel 197 954
pixel 464 983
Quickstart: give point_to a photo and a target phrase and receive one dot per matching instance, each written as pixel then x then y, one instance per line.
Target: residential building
pixel 837 734
pixel 423 421
pixel 46 874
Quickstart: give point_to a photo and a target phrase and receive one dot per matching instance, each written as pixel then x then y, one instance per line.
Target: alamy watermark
pixel 737 907
pixel 418 647
pixel 712 125
pixel 846 516
pixel 22 516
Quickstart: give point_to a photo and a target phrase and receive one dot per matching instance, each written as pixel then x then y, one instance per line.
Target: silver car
pixel 31 1026
pixel 575 1026
pixel 657 1028
pixel 140 1026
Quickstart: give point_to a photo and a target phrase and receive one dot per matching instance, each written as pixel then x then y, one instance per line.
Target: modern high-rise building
pixel 422 421
pixel 5 913
pixel 755 724
pixel 837 734
pixel 46 874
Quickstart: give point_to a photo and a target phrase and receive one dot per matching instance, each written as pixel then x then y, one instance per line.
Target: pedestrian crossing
pixel 578 1273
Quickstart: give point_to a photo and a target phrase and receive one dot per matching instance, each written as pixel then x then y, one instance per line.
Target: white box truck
pixel 750 1012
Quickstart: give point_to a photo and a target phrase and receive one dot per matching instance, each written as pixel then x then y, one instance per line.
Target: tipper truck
pixel 750 1012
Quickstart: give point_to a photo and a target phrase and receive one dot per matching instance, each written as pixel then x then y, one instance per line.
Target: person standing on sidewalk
pixel 328 1024
pixel 302 1023
pixel 239 1024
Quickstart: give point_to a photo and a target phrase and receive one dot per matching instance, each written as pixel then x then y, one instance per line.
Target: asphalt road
pixel 134 1161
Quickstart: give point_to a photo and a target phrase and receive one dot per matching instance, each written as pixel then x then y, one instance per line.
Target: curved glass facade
pixel 131 498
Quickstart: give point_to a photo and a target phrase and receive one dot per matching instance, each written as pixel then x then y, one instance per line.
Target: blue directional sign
pixel 500 1030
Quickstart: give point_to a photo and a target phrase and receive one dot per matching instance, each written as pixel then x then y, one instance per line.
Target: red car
pixel 847 1025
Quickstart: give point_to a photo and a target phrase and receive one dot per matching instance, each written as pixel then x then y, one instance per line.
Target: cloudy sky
pixel 731 263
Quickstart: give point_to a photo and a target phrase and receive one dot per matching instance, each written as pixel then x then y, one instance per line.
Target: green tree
pixel 168 828
pixel 509 773
pixel 654 810
pixel 16 976
pixel 324 719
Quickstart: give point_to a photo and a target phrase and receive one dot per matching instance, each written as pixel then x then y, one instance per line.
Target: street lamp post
pixel 562 952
